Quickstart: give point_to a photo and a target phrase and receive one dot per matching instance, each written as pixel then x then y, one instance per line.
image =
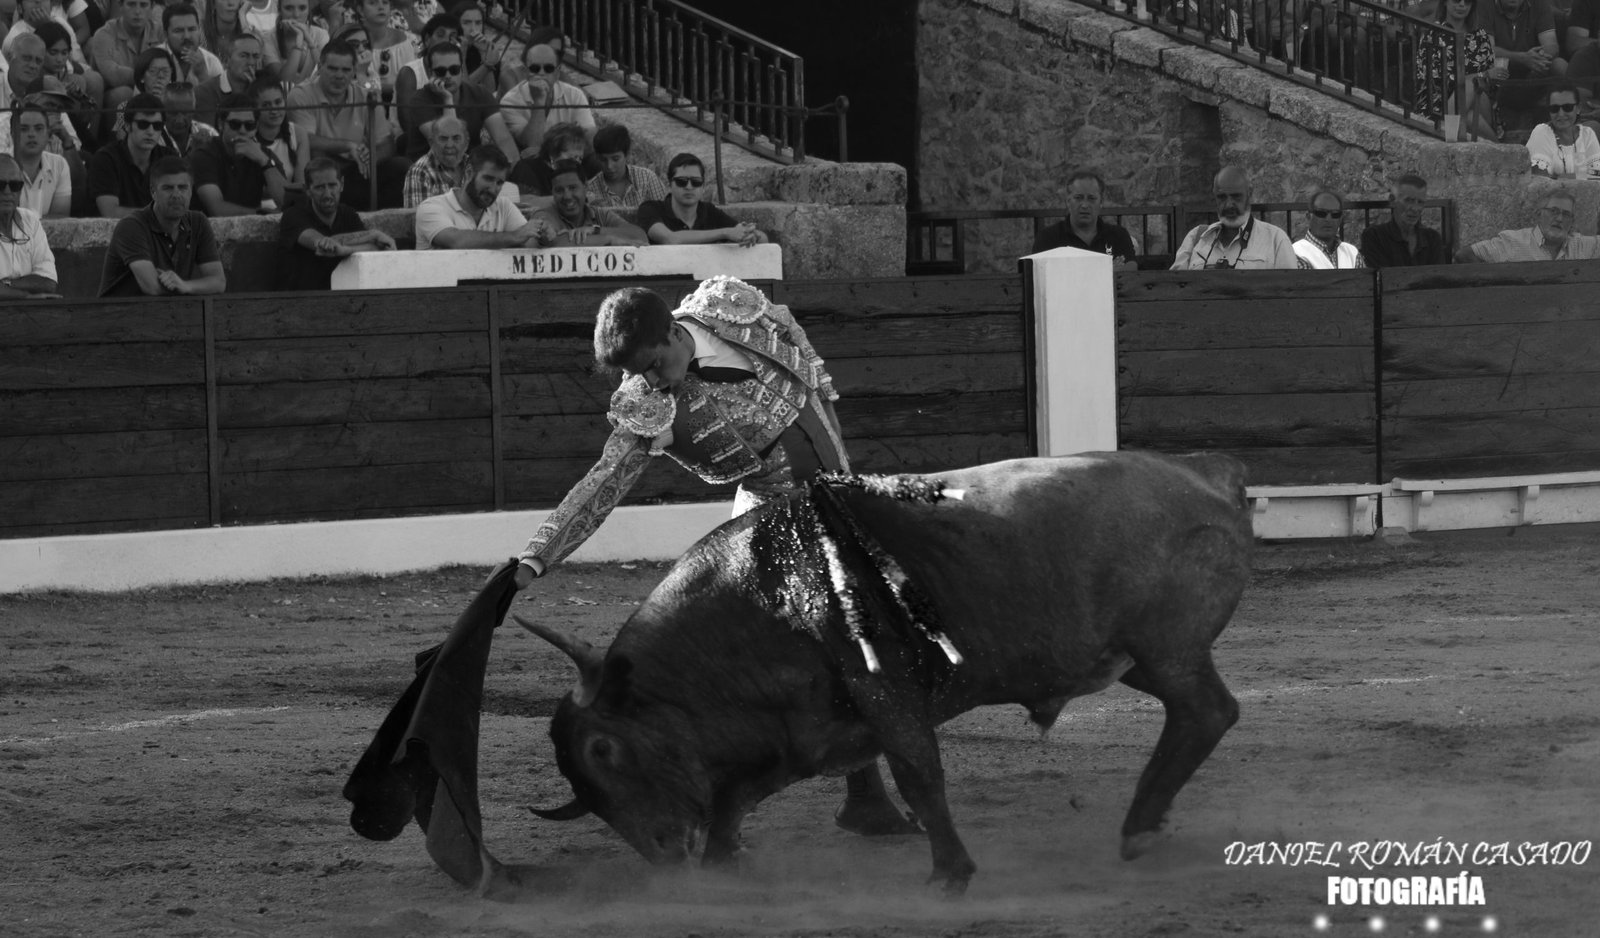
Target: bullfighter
pixel 729 386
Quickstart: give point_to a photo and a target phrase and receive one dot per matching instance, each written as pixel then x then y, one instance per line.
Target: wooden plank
pixel 326 358
pixel 26 413
pixel 1306 322
pixel 927 374
pixel 1464 435
pixel 912 335
pixel 526 306
pixel 542 483
pixel 576 436
pixel 1489 464
pixel 811 300
pixel 1492 350
pixel 315 402
pixel 382 443
pixel 1241 421
pixel 556 393
pixel 132 364
pixel 1487 305
pixel 933 414
pixel 523 353
pixel 1292 465
pixel 176 498
pixel 1496 395
pixel 292 494
pixel 1245 371
pixel 96 323
pixel 1468 277
pixel 933 453
pixel 89 455
pixel 348 313
pixel 1148 286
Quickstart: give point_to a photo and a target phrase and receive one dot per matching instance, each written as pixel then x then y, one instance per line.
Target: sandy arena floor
pixel 170 765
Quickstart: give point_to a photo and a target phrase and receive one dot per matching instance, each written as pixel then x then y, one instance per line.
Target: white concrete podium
pixel 387 270
pixel 1075 350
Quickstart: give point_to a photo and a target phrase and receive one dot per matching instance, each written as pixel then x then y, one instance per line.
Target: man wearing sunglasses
pixel 27 266
pixel 684 218
pixel 1321 248
pixel 1552 238
pixel 234 173
pixel 543 101
pixel 1237 239
pixel 119 181
pixel 447 95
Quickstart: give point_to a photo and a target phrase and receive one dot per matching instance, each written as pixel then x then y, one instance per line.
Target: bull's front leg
pixel 913 757
pixel 729 804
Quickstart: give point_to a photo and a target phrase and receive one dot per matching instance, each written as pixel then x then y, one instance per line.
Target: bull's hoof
pixel 1135 846
pixel 875 819
pixel 955 882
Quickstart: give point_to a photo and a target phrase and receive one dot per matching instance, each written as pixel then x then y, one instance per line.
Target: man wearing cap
pixel 27 267
pixel 25 81
pixel 119 181
pixel 233 173
pixel 165 248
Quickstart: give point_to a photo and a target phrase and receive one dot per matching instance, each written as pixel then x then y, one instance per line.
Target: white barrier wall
pixel 1075 350
pixel 387 270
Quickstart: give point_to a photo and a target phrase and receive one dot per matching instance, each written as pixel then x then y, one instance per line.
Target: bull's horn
pixel 567 812
pixel 582 654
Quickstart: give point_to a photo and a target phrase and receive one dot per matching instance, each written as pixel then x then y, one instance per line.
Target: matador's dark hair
pixel 630 320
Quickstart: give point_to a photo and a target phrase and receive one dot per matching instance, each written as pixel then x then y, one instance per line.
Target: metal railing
pixel 732 82
pixel 936 242
pixel 1375 55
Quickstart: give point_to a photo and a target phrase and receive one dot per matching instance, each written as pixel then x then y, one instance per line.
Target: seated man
pixel 543 101
pixel 319 231
pixel 339 130
pixel 83 88
pixel 476 214
pixel 446 95
pixel 233 174
pixel 116 46
pixel 574 221
pixel 27 266
pixel 1551 239
pixel 164 248
pixel 531 174
pixel 24 76
pixel 239 67
pixel 48 192
pixel 1320 248
pixel 1084 229
pixel 119 182
pixel 621 183
pixel 442 168
pixel 184 133
pixel 180 23
pixel 1237 239
pixel 682 218
pixel 1403 240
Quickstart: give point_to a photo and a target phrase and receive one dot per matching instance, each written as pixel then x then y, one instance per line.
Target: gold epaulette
pixel 724 298
pixel 637 408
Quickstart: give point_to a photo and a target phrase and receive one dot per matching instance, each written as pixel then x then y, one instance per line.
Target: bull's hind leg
pixel 1199 711
pixel 868 810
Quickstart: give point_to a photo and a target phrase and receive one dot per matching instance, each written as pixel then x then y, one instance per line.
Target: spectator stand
pixel 936 241
pixel 1363 51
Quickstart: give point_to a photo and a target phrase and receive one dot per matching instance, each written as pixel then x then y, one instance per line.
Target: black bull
pixel 740 673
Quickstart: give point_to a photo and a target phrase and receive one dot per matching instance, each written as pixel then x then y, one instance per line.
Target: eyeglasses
pixel 149 125
pixel 687 182
pixel 242 126
pixel 358 43
pixel 1562 108
pixel 1328 212
pixel 1557 212
pixel 543 69
pixel 15 185
pixel 441 71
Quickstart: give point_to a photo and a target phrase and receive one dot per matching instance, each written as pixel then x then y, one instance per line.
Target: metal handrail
pixel 733 82
pixel 936 241
pixel 1371 54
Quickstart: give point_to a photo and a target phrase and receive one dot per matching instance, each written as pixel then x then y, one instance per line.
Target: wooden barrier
pixel 1274 367
pixel 150 414
pixel 1488 370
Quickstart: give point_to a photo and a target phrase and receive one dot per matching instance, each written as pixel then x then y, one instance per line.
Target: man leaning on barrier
pixel 475 215
pixel 1237 239
pixel 574 221
pixel 318 232
pixel 1550 239
pixel 164 248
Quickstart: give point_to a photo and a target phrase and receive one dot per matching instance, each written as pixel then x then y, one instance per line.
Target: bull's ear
pixel 583 654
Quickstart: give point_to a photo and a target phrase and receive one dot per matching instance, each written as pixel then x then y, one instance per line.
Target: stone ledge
pixel 1097 29
pixel 1144 47
pixel 1052 17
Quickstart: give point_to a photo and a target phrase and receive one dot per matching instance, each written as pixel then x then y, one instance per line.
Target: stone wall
pixel 1014 94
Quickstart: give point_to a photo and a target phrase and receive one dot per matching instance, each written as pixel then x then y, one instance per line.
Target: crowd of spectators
pixel 308 107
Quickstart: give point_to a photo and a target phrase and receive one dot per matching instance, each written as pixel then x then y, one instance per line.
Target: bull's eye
pixel 602 750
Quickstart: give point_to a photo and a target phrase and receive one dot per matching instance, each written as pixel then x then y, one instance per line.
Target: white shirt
pixel 711 351
pixel 54 180
pixel 443 212
pixel 1549 156
pixel 29 252
pixel 568 105
pixel 1311 251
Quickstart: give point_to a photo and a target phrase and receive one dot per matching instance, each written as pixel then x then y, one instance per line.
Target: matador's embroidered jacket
pixel 768 432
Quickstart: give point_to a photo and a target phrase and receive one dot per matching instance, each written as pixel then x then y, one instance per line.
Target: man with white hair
pixel 27 266
pixel 1550 239
pixel 1237 239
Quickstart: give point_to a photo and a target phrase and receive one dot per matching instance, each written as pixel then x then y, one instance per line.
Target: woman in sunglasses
pixel 683 217
pixel 392 48
pixel 355 36
pixel 1562 148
